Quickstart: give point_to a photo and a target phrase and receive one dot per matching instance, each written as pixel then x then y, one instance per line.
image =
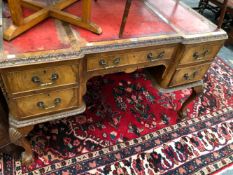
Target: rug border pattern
pixel 83 159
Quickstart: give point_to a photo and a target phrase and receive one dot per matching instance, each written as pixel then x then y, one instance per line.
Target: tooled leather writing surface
pixel 169 19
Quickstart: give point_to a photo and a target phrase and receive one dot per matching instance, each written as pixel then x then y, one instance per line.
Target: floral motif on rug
pixel 131 128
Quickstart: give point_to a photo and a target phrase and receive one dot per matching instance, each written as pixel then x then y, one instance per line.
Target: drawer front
pixel 29 106
pixel 200 53
pixel 102 61
pixel 111 60
pixel 188 75
pixel 151 55
pixel 40 78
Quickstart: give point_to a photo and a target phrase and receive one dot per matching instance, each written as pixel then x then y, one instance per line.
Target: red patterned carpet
pixel 131 128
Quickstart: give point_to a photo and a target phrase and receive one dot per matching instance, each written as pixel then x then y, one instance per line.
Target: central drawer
pixel 40 78
pixel 128 57
pixel 39 104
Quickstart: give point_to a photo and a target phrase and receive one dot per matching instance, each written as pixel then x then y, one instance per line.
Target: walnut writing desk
pixel 44 71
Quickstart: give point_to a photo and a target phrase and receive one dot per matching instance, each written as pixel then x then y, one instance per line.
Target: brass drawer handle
pixel 116 61
pixel 193 76
pixel 42 105
pixel 159 56
pixel 186 76
pixel 54 78
pixel 198 56
pixel 104 63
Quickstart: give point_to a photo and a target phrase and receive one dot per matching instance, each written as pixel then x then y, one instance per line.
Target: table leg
pixel 124 18
pixel 86 17
pixel 196 91
pixel 17 136
pixel 13 31
pixel 86 13
pixel 16 12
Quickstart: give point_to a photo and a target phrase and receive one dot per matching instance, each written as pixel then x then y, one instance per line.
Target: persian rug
pixel 131 128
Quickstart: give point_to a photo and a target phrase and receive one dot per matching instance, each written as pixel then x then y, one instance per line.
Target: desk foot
pixel 93 28
pixel 17 136
pixel 196 91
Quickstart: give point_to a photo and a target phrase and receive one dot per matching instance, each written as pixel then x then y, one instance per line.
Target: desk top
pixel 150 22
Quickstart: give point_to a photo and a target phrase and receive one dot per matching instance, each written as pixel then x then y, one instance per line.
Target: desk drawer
pixel 151 55
pixel 197 53
pixel 117 59
pixel 189 74
pixel 34 105
pixel 40 78
pixel 102 61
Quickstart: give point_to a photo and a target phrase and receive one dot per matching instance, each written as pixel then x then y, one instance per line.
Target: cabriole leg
pixel 17 136
pixel 196 91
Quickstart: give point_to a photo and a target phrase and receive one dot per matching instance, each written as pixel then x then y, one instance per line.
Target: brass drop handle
pixel 42 105
pixel 159 56
pixel 187 77
pixel 54 77
pixel 116 61
pixel 198 56
pixel 103 63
